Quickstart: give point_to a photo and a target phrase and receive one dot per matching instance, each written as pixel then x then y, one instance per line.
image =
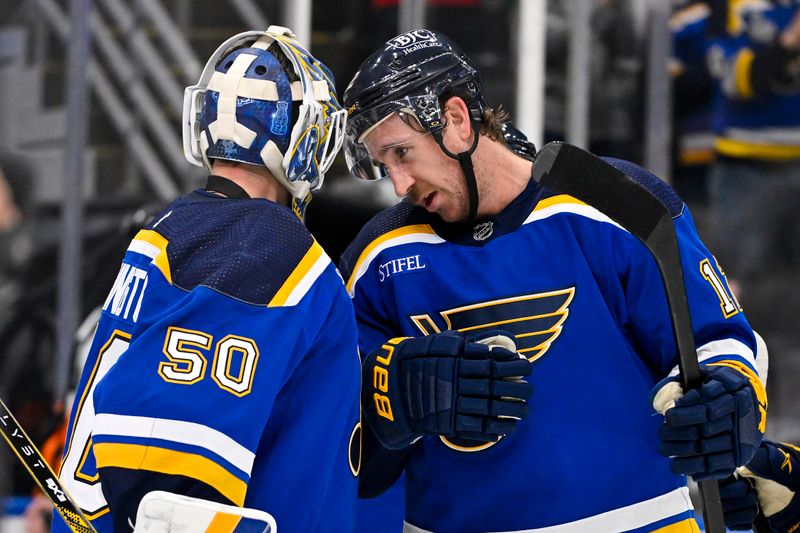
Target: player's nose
pixel 402 181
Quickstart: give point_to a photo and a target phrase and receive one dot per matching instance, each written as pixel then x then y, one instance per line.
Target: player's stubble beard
pixel 454 198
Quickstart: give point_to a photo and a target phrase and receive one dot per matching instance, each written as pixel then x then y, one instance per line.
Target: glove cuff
pixel 385 417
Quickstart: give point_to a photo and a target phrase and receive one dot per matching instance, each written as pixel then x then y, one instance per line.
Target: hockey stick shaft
pixel 578 173
pixel 30 456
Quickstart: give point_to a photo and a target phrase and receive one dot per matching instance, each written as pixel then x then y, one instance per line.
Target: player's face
pixel 418 168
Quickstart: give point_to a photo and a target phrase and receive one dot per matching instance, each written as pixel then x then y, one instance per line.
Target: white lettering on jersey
pixel 397 266
pixel 128 287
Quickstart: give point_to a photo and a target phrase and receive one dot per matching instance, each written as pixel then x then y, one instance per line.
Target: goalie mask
pixel 246 107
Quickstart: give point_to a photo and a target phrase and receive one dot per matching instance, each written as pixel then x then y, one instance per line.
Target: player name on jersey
pixel 126 294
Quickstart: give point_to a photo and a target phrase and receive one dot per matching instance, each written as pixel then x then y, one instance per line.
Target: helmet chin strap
pixel 465 160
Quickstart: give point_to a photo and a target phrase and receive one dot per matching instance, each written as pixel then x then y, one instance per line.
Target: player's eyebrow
pixel 388 146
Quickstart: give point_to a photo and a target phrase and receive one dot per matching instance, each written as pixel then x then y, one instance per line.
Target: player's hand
pixel 774 472
pixel 709 431
pixel 444 384
pixel 738 503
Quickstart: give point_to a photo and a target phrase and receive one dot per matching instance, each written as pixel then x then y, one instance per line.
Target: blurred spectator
pixel 10 214
pixel 15 193
pixel 38 514
pixel 755 180
pixel 693 144
pixel 12 194
pixel 615 68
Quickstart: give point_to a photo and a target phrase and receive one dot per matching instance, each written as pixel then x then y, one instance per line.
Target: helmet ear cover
pixel 281 113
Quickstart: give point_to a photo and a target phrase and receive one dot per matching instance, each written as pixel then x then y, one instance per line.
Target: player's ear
pixel 456 116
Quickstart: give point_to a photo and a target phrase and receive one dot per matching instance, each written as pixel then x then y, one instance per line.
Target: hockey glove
pixel 775 474
pixel 711 430
pixel 738 503
pixel 444 384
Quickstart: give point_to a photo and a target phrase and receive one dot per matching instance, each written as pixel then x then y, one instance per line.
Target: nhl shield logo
pixel 483 231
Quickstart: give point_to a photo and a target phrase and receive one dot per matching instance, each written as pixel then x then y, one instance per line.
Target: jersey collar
pixel 486 229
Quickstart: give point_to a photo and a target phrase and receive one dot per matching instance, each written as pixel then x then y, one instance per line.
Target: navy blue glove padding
pixel 443 384
pixel 712 429
pixel 775 472
pixel 738 503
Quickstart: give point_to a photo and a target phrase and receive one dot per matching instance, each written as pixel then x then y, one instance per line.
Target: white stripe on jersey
pixel 144 248
pixel 723 347
pixel 623 519
pixel 574 208
pixel 308 280
pixel 176 431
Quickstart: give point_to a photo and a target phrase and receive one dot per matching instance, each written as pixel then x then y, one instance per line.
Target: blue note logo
pixel 536 320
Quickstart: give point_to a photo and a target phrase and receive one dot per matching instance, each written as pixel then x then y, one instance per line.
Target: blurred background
pixel 90 147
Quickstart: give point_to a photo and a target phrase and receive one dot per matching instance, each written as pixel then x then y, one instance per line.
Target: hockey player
pixel 769 482
pixel 477 244
pixel 224 366
pixel 756 171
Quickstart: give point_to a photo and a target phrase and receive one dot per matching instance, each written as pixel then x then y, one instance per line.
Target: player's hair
pixel 493 121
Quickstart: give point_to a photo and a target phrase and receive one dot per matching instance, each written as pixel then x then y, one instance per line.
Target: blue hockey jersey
pixel 762 125
pixel 224 366
pixel 586 302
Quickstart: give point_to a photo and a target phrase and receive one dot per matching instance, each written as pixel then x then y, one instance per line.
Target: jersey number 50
pixel 233 367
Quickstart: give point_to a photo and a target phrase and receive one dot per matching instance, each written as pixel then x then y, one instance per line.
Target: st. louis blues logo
pixel 536 320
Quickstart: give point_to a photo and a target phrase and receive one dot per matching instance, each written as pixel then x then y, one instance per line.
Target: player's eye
pixel 400 151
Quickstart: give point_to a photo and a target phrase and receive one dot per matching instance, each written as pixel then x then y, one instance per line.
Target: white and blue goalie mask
pixel 245 108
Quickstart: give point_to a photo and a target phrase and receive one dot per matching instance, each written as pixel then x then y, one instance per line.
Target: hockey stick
pixel 24 448
pixel 578 173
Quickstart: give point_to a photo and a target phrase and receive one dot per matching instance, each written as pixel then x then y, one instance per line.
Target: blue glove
pixel 444 384
pixel 774 472
pixel 713 429
pixel 738 503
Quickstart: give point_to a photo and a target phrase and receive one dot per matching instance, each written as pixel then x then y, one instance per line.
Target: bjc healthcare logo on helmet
pixel 413 40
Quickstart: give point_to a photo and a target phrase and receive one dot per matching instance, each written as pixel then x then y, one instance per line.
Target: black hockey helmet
pixel 412 72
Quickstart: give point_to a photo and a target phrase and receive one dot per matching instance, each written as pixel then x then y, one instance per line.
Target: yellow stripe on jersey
pixel 223 523
pixel 139 457
pixel 399 232
pixel 684 526
pixel 696 156
pixel 555 200
pixel 767 152
pixel 742 68
pixel 297 275
pixel 758 386
pixel 98 514
pixel 161 261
